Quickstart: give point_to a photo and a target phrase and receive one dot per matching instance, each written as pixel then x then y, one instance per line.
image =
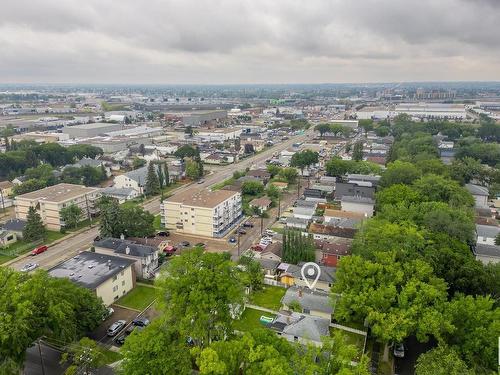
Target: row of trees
pixel 412 272
pixel 157 178
pixel 29 154
pixel 338 167
pixel 131 221
pixel 36 305
pixel 297 247
pixel 335 129
pixel 304 159
pixel 287 174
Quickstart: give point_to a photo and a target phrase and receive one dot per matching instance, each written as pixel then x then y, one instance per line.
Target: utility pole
pixel 261 222
pixel 298 189
pixel 279 205
pixel 88 210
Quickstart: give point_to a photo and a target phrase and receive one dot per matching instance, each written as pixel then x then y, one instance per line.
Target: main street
pixel 82 241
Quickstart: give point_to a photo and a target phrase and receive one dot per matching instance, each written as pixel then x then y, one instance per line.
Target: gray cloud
pixel 233 41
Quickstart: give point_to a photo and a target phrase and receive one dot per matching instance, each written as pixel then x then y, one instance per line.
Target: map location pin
pixel 310 270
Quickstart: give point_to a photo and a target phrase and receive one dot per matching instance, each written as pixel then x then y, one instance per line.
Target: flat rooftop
pixel 58 193
pixel 96 125
pixel 196 197
pixel 90 269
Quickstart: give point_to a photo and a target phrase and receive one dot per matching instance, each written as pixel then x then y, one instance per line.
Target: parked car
pixel 39 250
pixel 248 224
pixel 116 327
pixel 29 267
pixel 232 240
pixel 163 233
pixel 185 243
pixel 283 220
pixel 108 313
pixel 97 238
pixel 270 232
pixel 169 250
pixel 242 231
pixel 200 244
pixel 399 350
pixel 140 322
pixel 120 340
pixel 201 182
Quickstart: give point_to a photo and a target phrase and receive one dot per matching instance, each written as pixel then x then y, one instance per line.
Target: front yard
pixel 269 297
pixel 250 320
pixel 138 298
pixel 22 247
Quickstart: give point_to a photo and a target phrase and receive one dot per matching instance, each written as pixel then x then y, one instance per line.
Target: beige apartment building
pixel 50 200
pixel 202 212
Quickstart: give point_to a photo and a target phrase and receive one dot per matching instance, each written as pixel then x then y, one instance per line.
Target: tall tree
pixel 71 215
pixel 166 175
pixel 357 151
pixel 110 225
pixel 34 229
pixel 152 186
pixel 161 177
pixel 202 292
pixel 441 361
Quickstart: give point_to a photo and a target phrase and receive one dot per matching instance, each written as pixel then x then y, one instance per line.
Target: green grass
pixel 269 297
pixel 157 222
pixel 5 258
pixel 138 298
pixel 110 356
pixel 250 320
pixel 352 339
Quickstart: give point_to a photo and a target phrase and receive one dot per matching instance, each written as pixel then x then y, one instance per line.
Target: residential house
pixel 145 257
pixel 263 175
pixel 330 232
pixel 290 274
pixel 297 223
pixel 487 253
pixel 364 205
pixel 280 185
pixel 332 252
pixel 304 211
pixel 51 200
pixel 352 189
pixel 343 219
pixel 202 212
pixel 480 194
pixel 120 194
pixel 315 303
pixel 7 238
pixel 262 203
pixel 6 188
pixel 486 234
pixel 135 179
pixel 15 226
pixel 304 329
pixel 367 179
pixel 110 277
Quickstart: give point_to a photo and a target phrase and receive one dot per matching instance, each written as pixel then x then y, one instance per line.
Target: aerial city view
pixel 240 187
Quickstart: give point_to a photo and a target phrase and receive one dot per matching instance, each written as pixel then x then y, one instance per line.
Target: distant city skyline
pixel 248 42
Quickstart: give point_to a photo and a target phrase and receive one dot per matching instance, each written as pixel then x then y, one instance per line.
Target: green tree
pixel 138 163
pixel 71 215
pixel 304 159
pixel 366 125
pixel 34 229
pixel 83 356
pixel 273 192
pixel 322 129
pixel 399 172
pixel 185 151
pixel 441 361
pixel 152 186
pixel 252 276
pixel 289 174
pixel 110 225
pixel 202 292
pixel 166 175
pixel 134 221
pixel 297 247
pixel 339 356
pixel 357 152
pixel 192 170
pixel 161 177
pixel 273 170
pixel 433 188
pixel 254 188
pixel 144 352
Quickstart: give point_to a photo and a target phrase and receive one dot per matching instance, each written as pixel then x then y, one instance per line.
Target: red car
pixel 39 250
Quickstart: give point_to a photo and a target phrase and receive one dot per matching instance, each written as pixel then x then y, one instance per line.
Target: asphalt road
pixel 82 241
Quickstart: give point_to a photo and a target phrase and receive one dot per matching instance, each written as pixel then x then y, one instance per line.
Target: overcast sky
pixel 253 41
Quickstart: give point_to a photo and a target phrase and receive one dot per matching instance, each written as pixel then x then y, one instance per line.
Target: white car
pixel 29 267
pixel 399 350
pixel 270 232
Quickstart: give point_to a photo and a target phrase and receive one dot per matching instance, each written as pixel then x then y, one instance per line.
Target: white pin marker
pixel 308 270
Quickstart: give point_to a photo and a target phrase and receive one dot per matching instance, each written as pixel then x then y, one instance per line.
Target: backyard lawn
pixel 157 222
pixel 269 297
pixel 352 339
pixel 250 320
pixel 138 298
pixel 22 247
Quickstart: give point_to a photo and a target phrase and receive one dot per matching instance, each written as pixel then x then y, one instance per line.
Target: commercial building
pixel 219 135
pixel 202 212
pixel 203 117
pixel 110 277
pixel 432 110
pixel 50 200
pixel 90 130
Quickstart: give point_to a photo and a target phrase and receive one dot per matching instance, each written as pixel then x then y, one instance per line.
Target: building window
pixel 115 277
pixel 115 288
pixel 123 283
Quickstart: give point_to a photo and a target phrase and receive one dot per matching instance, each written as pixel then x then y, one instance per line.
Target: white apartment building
pixel 202 212
pixel 50 200
pixel 432 110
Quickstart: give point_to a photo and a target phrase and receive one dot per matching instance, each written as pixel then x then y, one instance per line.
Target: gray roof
pixel 296 221
pixel 90 269
pixel 344 222
pixel 120 247
pixel 268 264
pixel 487 250
pixel 304 203
pixel 15 225
pixel 310 300
pixel 326 275
pixel 88 162
pixel 138 175
pixel 304 326
pixel 121 192
pixel 363 177
pixel 488 231
pixel 477 190
pixel 307 211
pixel 357 199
